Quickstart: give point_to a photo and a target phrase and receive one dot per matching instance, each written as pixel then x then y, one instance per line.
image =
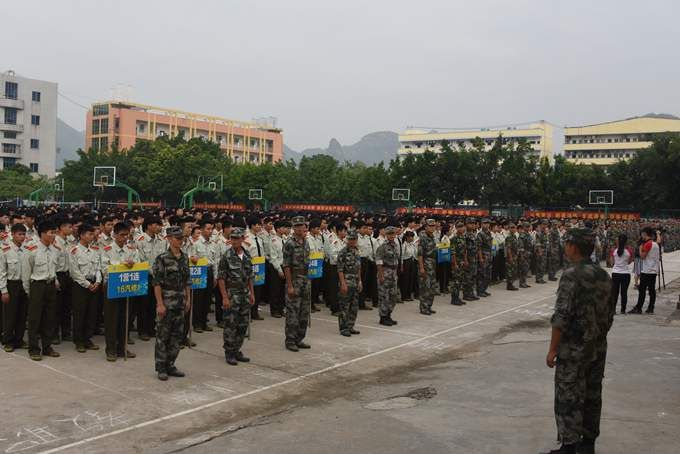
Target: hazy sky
pixel 345 68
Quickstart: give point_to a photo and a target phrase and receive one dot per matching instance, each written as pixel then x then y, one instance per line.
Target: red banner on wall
pixel 221 206
pixel 615 215
pixel 445 211
pixel 319 208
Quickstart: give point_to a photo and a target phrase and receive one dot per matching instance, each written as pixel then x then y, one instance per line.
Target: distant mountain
pixel 68 141
pixel 371 149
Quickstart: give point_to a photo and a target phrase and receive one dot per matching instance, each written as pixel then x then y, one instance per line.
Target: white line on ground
pixel 286 382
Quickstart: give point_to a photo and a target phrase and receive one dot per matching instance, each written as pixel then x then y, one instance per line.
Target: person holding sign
pixel 203 248
pixel 235 281
pixel 171 287
pixel 295 266
pixel 120 252
pixel 387 260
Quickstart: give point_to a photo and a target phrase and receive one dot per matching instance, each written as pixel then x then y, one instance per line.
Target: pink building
pixel 125 123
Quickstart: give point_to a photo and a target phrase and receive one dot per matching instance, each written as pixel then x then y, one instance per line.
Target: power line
pixel 72 101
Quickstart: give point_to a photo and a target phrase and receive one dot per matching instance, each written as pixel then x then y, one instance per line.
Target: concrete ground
pixel 469 379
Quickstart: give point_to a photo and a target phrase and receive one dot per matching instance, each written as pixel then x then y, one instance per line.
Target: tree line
pixel 507 174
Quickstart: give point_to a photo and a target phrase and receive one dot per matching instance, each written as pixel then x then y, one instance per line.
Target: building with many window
pixel 125 123
pixel 606 143
pixel 28 123
pixel 539 135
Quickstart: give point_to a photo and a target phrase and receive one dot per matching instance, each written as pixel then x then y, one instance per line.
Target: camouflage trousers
pixel 456 281
pixel 388 292
pixel 553 263
pixel 523 262
pixel 169 337
pixel 510 270
pixel 236 320
pixel 349 306
pixel 541 259
pixel 428 285
pixel 297 310
pixel 578 398
pixel 484 272
pixel 470 277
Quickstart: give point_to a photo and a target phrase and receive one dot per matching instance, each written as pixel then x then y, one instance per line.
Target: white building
pixel 28 123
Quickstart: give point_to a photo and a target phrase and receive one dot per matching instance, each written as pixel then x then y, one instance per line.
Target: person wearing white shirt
pixel 255 246
pixel 369 271
pixel 316 244
pixel 650 255
pixel 277 279
pixel 620 259
pixel 333 246
pixel 203 248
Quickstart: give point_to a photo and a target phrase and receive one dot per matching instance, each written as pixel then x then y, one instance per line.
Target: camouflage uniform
pixel 471 270
pixel 459 257
pixel 553 252
pixel 540 252
pixel 349 263
pixel 296 258
pixel 236 274
pixel 387 255
pixel 171 273
pixel 511 256
pixel 484 269
pixel 427 249
pixel 523 257
pixel 583 313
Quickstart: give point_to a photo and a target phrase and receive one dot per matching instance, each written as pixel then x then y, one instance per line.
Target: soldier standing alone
pixel 349 275
pixel 485 259
pixel 295 266
pixel 171 286
pixel 387 260
pixel 235 280
pixel 511 253
pixel 427 260
pixel 583 316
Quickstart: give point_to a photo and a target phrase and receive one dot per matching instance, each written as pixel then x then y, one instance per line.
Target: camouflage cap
pixel 485 221
pixel 174 231
pixel 237 232
pixel 580 236
pixel 460 224
pixel 390 230
pixel 430 222
pixel 526 225
pixel 298 220
pixel 352 235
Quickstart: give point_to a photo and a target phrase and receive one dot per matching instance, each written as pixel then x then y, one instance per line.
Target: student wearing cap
pixel 511 256
pixel 540 251
pixel 277 278
pixel 235 281
pixel 171 288
pixel 203 248
pixel 458 263
pixel 387 261
pixel 64 295
pixel 583 315
pixel 254 244
pixel 485 259
pixel 409 264
pixel 316 244
pixel 524 248
pixel 334 243
pixel 296 267
pixel 427 260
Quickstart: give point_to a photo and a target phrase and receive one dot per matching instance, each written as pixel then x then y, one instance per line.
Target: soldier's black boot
pixel 511 287
pixel 391 320
pixel 174 372
pixel 455 300
pixel 586 446
pixel 385 321
pixel 231 359
pixel 473 296
pixel 467 297
pixel 564 449
pixel 240 357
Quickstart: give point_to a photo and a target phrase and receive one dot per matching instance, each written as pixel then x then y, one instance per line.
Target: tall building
pixel 28 123
pixel 126 123
pixel 540 135
pixel 606 143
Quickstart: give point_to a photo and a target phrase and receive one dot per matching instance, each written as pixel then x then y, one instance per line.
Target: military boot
pixel 564 449
pixel 385 321
pixel 231 359
pixel 455 300
pixel 240 357
pixel 586 446
pixel 392 321
pixel 468 297
pixel 511 287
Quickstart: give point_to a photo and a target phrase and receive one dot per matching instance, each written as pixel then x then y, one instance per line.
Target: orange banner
pixel 320 208
pixel 445 211
pixel 581 215
pixel 221 206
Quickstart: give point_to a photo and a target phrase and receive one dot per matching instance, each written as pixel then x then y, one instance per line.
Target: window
pixel 95 126
pixel 104 143
pixel 100 109
pixel 104 127
pixel 9 148
pixel 8 163
pixel 35 144
pixel 10 135
pixel 11 90
pixel 141 127
pixel 95 143
pixel 35 120
pixel 10 116
pixel 35 96
pixel 34 167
